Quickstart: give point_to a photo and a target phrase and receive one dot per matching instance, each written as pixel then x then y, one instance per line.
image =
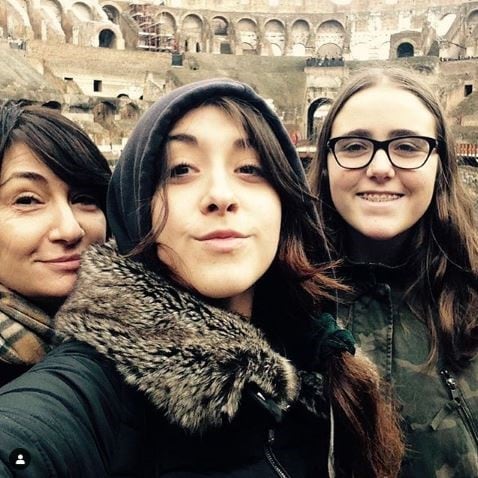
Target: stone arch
pixel 329 50
pixel 82 11
pixel 107 38
pixel 472 17
pixel 300 34
pixel 330 32
pixel 405 50
pixel 54 105
pixel 48 26
pixel 112 13
pixel 471 21
pixel 165 31
pixel 16 22
pixel 130 112
pixel 247 32
pixel 104 112
pixel 220 26
pixel 444 24
pixel 274 33
pixel 192 27
pixel 52 9
pixel 166 23
pixel 314 121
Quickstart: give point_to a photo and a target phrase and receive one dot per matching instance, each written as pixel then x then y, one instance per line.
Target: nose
pixel 380 168
pixel 219 196
pixel 65 226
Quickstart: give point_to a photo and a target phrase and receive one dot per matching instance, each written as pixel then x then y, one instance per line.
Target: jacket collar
pixel 193 360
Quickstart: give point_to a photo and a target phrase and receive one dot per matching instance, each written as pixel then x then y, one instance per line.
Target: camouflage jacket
pixel 439 408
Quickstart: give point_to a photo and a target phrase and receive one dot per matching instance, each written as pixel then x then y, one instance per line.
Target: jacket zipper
pixel 464 411
pixel 271 458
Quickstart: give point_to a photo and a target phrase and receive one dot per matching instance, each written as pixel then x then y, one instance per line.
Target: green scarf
pixel 26 332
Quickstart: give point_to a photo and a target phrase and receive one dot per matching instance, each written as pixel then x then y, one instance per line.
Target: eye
pixel 27 200
pixel 409 146
pixel 180 170
pixel 352 146
pixel 251 169
pixel 85 199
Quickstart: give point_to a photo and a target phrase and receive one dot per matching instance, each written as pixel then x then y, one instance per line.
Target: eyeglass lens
pixel 407 153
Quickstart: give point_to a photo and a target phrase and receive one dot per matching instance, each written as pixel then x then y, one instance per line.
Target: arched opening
pixel 248 36
pixel 53 105
pixel 104 112
pixel 112 13
pixel 107 39
pixel 330 35
pixel 275 36
pixel 405 50
pixel 330 51
pixel 123 96
pixel 130 112
pixel 444 24
pixel 192 30
pixel 220 26
pixel 82 12
pixel 315 116
pixel 300 35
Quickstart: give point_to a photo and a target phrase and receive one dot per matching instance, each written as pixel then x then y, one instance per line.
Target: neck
pixel 391 252
pixel 49 305
pixel 240 304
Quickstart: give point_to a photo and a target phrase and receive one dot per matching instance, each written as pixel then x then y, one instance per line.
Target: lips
pixel 380 196
pixel 222 234
pixel 223 241
pixel 64 263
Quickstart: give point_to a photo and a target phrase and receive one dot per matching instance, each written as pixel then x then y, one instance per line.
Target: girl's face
pixel 45 226
pixel 224 218
pixel 379 200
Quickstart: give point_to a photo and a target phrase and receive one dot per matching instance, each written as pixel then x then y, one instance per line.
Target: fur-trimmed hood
pixel 194 361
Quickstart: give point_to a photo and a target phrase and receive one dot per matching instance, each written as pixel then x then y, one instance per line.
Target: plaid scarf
pixel 26 333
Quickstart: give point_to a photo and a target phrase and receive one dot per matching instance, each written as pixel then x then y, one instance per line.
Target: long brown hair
pixel 444 291
pixel 296 284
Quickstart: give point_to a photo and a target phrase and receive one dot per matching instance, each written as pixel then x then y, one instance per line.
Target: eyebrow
pixel 240 143
pixel 392 134
pixel 29 175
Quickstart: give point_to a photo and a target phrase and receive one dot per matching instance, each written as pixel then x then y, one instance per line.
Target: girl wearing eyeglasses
pixel 389 191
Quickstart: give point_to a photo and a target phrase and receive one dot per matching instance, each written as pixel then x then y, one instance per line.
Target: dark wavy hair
pixel 58 143
pixel 444 290
pixel 295 286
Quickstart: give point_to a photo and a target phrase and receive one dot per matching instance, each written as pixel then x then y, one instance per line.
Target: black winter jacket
pixel 167 386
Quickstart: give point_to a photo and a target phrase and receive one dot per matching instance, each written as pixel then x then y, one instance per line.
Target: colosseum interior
pixel 104 62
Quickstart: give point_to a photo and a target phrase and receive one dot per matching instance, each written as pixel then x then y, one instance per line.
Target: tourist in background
pixel 397 213
pixel 206 305
pixel 53 183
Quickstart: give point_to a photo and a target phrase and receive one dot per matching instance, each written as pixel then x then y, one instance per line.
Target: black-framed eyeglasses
pixel 404 152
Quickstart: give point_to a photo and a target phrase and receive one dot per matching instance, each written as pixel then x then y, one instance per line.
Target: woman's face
pixel 224 218
pixel 381 201
pixel 45 226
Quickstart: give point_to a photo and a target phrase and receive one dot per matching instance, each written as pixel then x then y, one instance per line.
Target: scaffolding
pixel 153 34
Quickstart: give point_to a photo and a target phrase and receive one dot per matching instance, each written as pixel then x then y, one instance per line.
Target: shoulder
pixel 70 412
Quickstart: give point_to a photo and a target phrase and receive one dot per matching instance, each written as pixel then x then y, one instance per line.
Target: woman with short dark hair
pixel 53 183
